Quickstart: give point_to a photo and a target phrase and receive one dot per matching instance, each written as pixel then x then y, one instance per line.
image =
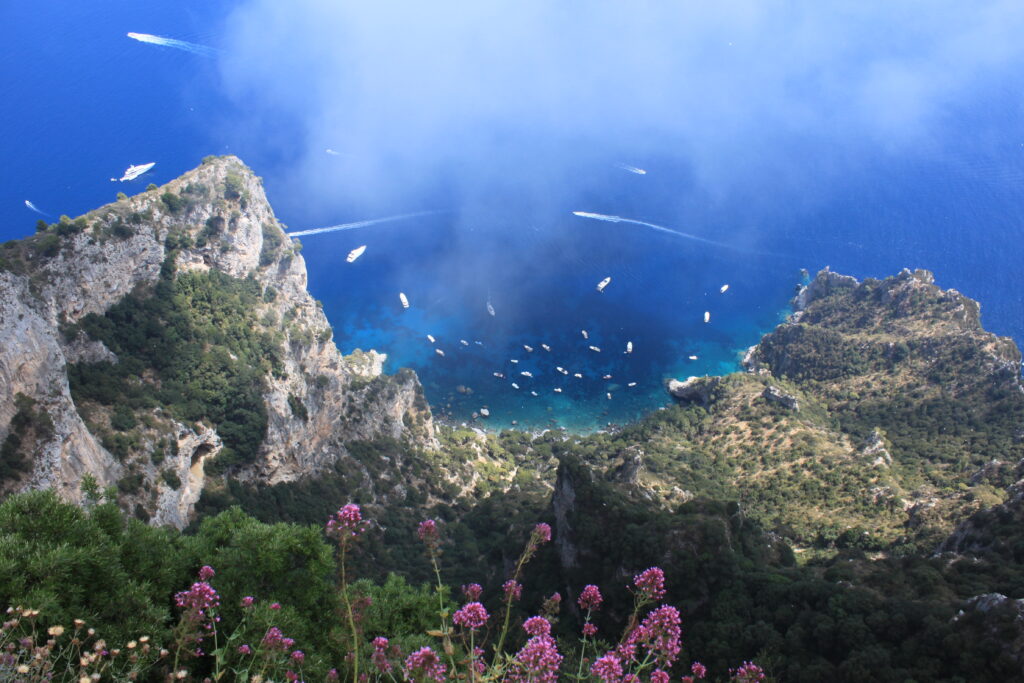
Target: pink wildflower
pixel 275 605
pixel 244 650
pixel 608 668
pixel 747 673
pixel 538 661
pixel 201 596
pixel 537 626
pixel 472 591
pixel 427 662
pixel 274 639
pixel 291 675
pixel 346 522
pixel 513 590
pixel 542 532
pixel 428 532
pixel 332 675
pixel 247 601
pixel 589 630
pixel 206 572
pixel 659 676
pixel 379 656
pixel 299 656
pixel 651 583
pixel 590 598
pixel 698 669
pixel 471 616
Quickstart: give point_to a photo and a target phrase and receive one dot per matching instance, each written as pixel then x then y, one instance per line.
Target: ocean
pixel 82 101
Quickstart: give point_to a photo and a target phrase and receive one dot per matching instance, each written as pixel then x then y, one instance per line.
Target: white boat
pixel 707 316
pixel 403 299
pixel 513 361
pixel 609 395
pixel 631 384
pixel 355 253
pixel 528 348
pixel 499 375
pixel 629 347
pixel 430 338
pixel 485 412
pixel 478 343
pixel 439 352
pixel 533 393
pixel 577 375
pixel 490 308
pixel 559 368
pixel 464 342
pixel 514 385
pixel 558 390
pixel 565 372
pixel 693 357
pixel 594 348
pixel 585 335
pixel 607 377
pixel 134 172
pixel 723 289
pixel 603 283
pixel 526 373
pixel 546 347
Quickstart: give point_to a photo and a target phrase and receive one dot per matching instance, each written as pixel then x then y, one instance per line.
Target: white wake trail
pixel 194 48
pixel 36 208
pixel 660 228
pixel 361 224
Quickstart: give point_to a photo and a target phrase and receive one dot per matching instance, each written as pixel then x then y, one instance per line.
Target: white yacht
pixel 707 316
pixel 603 283
pixel 723 289
pixel 629 347
pixel 134 172
pixel 403 299
pixel 355 253
pixel 594 348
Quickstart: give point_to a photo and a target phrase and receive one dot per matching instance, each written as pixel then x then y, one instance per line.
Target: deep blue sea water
pixel 81 102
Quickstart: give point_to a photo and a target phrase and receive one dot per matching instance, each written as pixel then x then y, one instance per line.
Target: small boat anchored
pixel 404 299
pixel 603 283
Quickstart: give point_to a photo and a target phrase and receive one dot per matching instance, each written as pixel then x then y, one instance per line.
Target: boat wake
pixel 35 208
pixel 360 224
pixel 652 226
pixel 194 48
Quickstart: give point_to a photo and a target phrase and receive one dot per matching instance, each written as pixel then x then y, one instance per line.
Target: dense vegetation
pixel 192 346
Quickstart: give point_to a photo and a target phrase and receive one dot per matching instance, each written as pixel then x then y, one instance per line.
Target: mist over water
pixel 775 136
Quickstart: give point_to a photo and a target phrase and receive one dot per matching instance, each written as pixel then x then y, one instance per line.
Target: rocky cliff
pixel 56 286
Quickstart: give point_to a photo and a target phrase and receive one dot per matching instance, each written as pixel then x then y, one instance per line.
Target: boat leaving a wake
pixel 360 224
pixel 134 172
pixel 173 42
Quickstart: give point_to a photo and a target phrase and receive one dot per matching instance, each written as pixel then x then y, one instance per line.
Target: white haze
pixel 449 103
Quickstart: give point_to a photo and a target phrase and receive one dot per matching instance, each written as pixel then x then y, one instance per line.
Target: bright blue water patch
pixel 659 292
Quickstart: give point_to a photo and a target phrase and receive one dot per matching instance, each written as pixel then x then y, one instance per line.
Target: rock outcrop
pixel 214 218
pixel 698 390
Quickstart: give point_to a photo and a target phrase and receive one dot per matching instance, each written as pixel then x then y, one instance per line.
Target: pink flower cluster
pixel 590 598
pixel 346 522
pixel 542 532
pixel 380 656
pixel 651 583
pixel 537 626
pixel 274 639
pixel 608 668
pixel 747 673
pixel 428 532
pixel 248 600
pixel 538 661
pixel 589 630
pixel 659 676
pixel 513 590
pixel 200 597
pixel 471 616
pixel 472 591
pixel 427 662
pixel 698 670
pixel 206 572
pixel 660 633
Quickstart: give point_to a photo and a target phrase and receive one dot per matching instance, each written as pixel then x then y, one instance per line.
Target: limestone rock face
pixel 778 396
pixel 227 225
pixel 697 390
